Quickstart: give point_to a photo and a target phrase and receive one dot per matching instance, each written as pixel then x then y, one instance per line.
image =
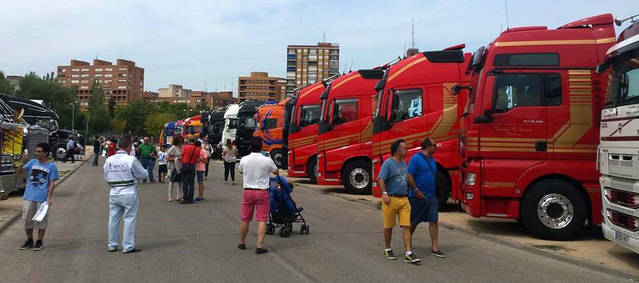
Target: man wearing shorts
pixel 41 176
pixel 422 172
pixel 393 183
pixel 257 170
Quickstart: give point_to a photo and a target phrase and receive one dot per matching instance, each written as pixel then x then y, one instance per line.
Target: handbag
pixel 175 176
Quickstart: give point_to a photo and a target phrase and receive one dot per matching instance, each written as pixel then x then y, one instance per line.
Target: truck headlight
pixel 470 179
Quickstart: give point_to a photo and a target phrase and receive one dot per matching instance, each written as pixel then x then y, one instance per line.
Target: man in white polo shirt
pixel 256 169
pixel 123 172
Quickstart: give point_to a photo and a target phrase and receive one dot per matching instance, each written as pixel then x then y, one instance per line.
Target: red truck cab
pixel 531 127
pixel 302 132
pixel 423 96
pixel 345 131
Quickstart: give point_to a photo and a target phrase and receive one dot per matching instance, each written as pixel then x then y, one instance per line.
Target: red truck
pixel 345 131
pixel 423 96
pixel 302 131
pixel 531 127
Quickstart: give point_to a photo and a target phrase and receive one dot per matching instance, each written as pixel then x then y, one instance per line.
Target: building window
pixel 98 69
pixel 121 75
pixel 64 70
pixel 122 69
pixel 84 81
pixel 84 75
pixel 74 81
pixel 75 75
pixel 122 81
pixel 108 69
pixel 85 69
pixel 108 75
pixel 108 81
pixel 75 70
pixel 122 87
pixel 84 87
pixel 98 75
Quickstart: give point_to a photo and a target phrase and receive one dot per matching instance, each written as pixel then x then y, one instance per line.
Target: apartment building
pixel 306 64
pixel 259 86
pixel 194 98
pixel 123 81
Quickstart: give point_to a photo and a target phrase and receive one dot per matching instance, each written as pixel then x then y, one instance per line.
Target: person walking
pixel 41 177
pixel 122 172
pixel 392 181
pixel 70 150
pixel 200 168
pixel 96 150
pixel 174 159
pixel 257 170
pixel 229 155
pixel 209 149
pixel 112 147
pixel 146 149
pixel 422 173
pixel 162 161
pixel 190 153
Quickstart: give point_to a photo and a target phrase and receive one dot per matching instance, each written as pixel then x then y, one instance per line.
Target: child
pixel 200 167
pixel 162 160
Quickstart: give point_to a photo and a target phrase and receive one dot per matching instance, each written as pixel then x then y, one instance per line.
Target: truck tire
pixel 356 177
pixel 554 210
pixel 311 169
pixel 442 189
pixel 278 158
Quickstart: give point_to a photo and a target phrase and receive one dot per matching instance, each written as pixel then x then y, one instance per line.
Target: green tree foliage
pixel 5 86
pixel 154 123
pixel 55 96
pixel 118 125
pixel 99 118
pixel 134 114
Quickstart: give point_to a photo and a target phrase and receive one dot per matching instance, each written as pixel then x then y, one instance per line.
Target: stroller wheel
pixel 270 229
pixel 305 228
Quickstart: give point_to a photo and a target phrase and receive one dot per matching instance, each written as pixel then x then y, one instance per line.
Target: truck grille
pixel 623 220
pixel 623 198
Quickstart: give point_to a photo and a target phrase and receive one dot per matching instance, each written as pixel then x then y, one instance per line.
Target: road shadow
pixel 504 227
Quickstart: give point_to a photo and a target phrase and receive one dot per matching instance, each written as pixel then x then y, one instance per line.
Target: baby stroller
pixel 283 211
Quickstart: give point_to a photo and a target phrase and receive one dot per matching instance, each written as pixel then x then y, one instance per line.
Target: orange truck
pixel 531 127
pixel 270 126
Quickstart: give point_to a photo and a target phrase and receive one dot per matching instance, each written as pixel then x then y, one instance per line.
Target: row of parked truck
pixel 518 124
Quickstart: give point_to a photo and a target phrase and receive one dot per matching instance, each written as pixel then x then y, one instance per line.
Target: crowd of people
pixel 408 190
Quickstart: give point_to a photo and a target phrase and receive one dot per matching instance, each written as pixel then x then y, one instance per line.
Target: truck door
pixel 345 130
pixel 406 110
pixel 519 125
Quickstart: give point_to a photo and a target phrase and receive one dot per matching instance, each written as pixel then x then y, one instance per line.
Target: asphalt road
pixel 198 243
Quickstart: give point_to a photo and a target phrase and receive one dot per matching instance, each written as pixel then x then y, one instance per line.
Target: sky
pixel 206 45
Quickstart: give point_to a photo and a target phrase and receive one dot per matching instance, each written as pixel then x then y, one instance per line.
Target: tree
pixel 5 86
pixel 134 114
pixel 154 123
pixel 99 119
pixel 118 125
pixel 56 96
pixel 111 106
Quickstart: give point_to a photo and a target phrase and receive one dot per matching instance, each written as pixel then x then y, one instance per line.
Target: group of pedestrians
pixel 187 162
pixel 408 194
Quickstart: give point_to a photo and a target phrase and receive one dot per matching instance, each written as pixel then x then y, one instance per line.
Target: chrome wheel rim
pixel 359 178
pixel 555 211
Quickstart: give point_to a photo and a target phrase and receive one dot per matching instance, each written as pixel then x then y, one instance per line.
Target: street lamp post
pixel 72 116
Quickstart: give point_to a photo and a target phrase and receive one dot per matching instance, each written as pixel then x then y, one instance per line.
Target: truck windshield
pixel 247 123
pixel 623 88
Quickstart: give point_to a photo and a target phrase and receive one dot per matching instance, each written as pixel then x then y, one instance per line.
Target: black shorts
pixel 162 169
pixel 424 210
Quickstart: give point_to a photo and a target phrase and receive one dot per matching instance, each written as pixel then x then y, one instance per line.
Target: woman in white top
pixel 174 167
pixel 229 155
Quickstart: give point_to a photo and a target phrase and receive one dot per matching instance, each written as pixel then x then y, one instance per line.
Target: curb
pixel 17 213
pixel 496 239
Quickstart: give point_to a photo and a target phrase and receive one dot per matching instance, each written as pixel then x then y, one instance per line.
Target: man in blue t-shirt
pixel 422 172
pixel 392 181
pixel 41 176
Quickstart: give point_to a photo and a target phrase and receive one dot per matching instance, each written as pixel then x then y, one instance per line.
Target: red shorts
pixel 255 200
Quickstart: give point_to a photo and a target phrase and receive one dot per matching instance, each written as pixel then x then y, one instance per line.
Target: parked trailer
pixel 423 96
pixel 530 130
pixel 302 132
pixel 619 141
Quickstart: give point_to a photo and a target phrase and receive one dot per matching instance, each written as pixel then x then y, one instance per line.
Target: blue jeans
pixel 122 207
pixel 148 164
pixel 188 181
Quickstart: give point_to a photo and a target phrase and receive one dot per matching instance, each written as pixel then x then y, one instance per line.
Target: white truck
pixel 230 123
pixel 618 156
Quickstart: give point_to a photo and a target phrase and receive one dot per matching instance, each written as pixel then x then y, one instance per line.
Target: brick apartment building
pixel 178 94
pixel 123 81
pixel 259 86
pixel 306 64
